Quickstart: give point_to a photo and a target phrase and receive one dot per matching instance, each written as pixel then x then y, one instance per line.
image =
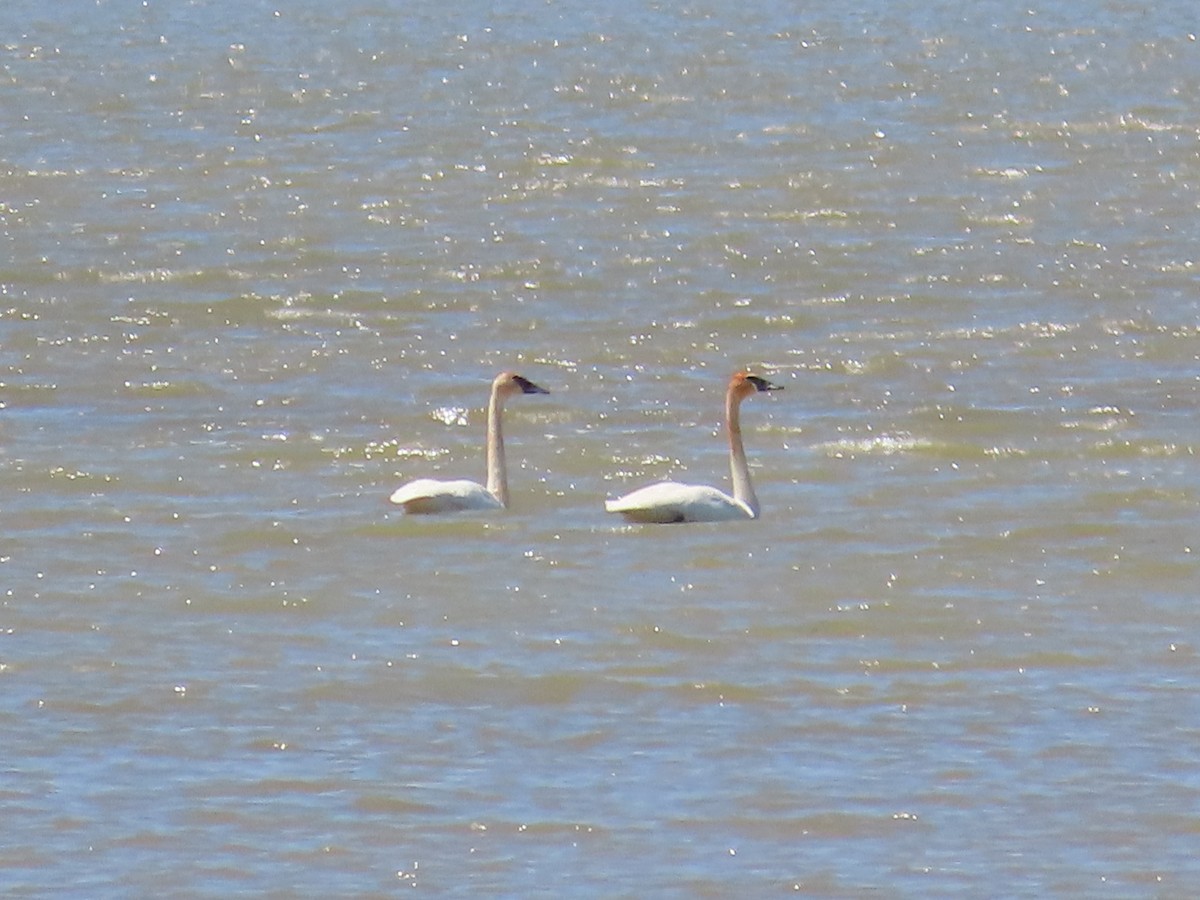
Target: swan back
pixel 669 503
pixel 432 495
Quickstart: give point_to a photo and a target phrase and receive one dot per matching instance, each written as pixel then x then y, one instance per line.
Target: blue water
pixel 260 264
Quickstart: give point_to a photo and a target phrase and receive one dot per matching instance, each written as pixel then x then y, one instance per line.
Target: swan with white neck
pixel 432 495
pixel 669 502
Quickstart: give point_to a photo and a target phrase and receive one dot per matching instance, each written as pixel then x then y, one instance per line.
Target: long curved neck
pixel 739 470
pixel 497 473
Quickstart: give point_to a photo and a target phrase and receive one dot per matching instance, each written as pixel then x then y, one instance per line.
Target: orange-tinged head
pixel 743 385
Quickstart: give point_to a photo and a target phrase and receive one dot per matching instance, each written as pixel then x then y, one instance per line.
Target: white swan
pixel 669 501
pixel 432 495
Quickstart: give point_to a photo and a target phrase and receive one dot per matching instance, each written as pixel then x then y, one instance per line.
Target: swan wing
pixel 431 495
pixel 669 502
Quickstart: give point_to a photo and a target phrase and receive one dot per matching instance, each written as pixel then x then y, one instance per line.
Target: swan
pixel 432 495
pixel 669 502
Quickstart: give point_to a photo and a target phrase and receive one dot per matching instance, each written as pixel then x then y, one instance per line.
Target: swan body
pixel 669 502
pixel 433 495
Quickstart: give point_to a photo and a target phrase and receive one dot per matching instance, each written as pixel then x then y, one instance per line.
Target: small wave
pixel 877 445
pixel 1010 172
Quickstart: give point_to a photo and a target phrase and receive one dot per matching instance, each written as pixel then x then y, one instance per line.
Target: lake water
pixel 258 265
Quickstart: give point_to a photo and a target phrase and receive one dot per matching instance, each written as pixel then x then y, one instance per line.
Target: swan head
pixel 510 383
pixel 743 385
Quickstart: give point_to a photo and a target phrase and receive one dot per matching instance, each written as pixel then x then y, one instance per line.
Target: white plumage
pixel 669 502
pixel 432 495
pixel 429 495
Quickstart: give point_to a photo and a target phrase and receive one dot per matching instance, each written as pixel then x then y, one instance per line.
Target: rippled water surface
pixel 258 265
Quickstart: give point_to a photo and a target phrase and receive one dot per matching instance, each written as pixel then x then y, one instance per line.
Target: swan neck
pixel 497 473
pixel 743 490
